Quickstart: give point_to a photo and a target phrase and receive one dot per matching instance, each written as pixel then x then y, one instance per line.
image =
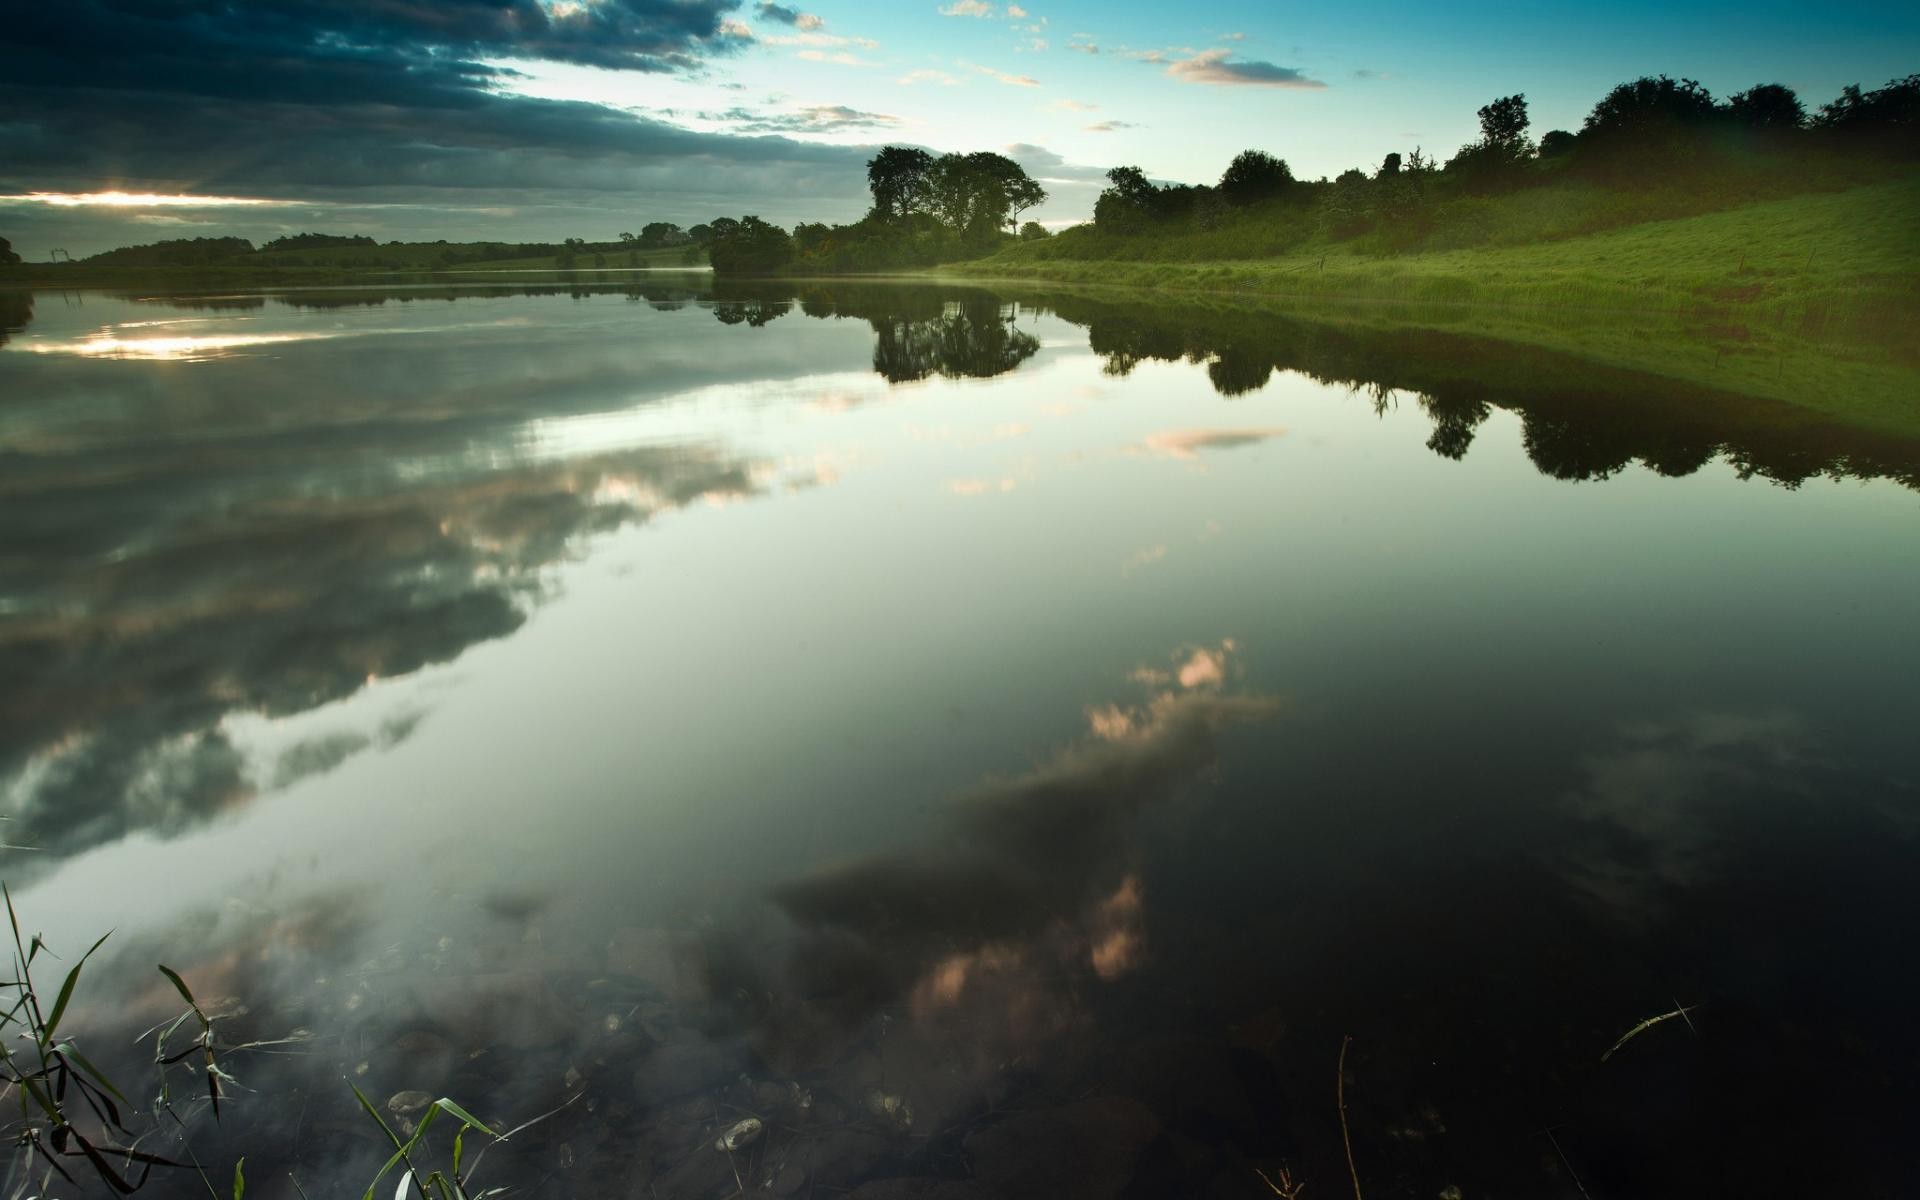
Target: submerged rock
pixel 740 1135
pixel 405 1104
pixel 891 1108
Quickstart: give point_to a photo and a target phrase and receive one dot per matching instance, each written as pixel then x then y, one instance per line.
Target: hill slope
pixel 1849 258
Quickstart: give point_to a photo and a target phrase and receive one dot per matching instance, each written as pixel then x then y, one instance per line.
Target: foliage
pixel 316 241
pixel 977 195
pixel 1504 120
pixel 1894 108
pixel 655 234
pixel 901 181
pixel 750 246
pixel 71 1114
pixel 177 252
pixel 1556 142
pixel 1033 231
pixel 1651 109
pixel 925 211
pixel 1769 106
pixel 1253 176
pixel 7 255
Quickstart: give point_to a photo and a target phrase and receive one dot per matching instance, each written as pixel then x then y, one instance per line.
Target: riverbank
pixel 1842 264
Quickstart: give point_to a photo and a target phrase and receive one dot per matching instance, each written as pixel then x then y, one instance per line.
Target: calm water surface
pixel 1002 740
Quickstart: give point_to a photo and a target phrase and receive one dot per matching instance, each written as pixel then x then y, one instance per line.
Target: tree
pixel 749 246
pixel 1650 105
pixel 1034 231
pixel 1255 175
pixel 1897 104
pixel 811 236
pixel 1767 106
pixel 1345 207
pixel 1126 204
pixel 626 237
pixel 701 234
pixel 1505 120
pixel 1556 142
pixel 977 195
pixel 901 181
pixel 7 256
pixel 655 234
pixel 1390 166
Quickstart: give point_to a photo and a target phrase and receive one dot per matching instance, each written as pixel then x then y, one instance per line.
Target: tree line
pixel 1653 131
pixel 925 210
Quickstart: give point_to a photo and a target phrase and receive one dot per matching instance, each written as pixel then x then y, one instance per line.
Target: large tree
pixel 749 246
pixel 1255 175
pixel 1767 106
pixel 1650 105
pixel 1505 120
pixel 977 195
pixel 901 181
pixel 7 257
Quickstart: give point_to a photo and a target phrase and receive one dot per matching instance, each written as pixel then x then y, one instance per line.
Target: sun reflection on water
pixel 179 348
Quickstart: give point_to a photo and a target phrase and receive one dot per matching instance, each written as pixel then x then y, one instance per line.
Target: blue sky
pixel 686 109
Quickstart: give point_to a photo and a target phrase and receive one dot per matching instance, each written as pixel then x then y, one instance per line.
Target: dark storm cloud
pixel 308 48
pixel 291 98
pixel 787 16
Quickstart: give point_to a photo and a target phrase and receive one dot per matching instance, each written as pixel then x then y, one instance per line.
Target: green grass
pixel 1811 299
pixel 1849 258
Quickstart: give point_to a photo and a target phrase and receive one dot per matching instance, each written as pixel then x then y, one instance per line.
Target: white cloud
pixel 1026 81
pixel 841 58
pixel 967 8
pixel 1216 67
pixel 927 75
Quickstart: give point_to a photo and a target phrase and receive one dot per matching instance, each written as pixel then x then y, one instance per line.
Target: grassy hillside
pixel 1843 259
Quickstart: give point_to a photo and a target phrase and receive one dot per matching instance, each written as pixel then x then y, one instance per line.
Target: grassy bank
pixel 1836 263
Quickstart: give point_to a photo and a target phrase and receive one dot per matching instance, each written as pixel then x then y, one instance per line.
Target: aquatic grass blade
pixel 66 992
pixel 462 1115
pixel 99 1077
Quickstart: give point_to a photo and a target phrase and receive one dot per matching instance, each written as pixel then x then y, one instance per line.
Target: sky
pixel 541 119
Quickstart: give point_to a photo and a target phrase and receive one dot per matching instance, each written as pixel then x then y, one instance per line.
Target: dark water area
pixel 1006 743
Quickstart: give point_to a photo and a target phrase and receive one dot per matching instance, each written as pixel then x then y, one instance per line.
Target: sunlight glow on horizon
pixel 138 200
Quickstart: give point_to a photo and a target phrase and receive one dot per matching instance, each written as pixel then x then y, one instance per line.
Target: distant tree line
pixel 1649 133
pixel 355 251
pixel 925 210
pixel 316 241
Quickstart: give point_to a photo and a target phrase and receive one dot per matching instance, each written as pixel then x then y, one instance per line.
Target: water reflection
pixel 965 842
pixel 1581 420
pixel 274 609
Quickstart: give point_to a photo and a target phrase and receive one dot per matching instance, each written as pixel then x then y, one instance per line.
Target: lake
pixel 1006 743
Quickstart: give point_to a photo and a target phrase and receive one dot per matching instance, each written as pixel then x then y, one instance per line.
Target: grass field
pixel 1842 260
